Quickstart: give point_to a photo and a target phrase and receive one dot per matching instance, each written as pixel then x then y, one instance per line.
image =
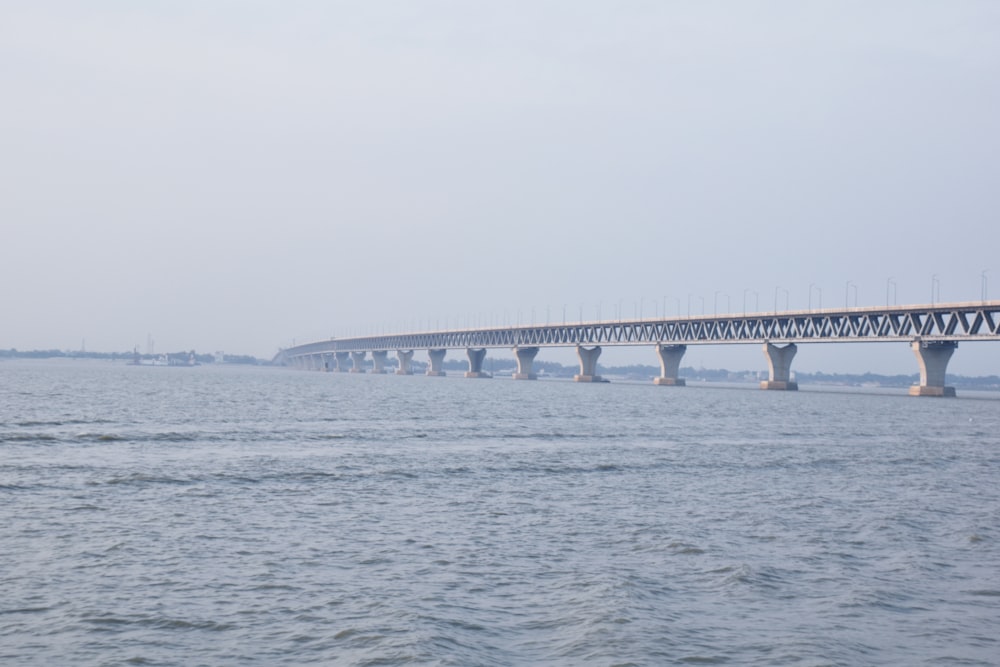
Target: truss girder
pixel 964 321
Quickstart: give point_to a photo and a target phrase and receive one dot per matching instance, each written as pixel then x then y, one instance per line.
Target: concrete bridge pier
pixel 405 358
pixel 933 358
pixel 670 364
pixel 340 362
pixel 525 356
pixel 378 361
pixel 316 362
pixel 327 363
pixel 588 364
pixel 436 358
pixel 779 362
pixel 358 359
pixel 476 357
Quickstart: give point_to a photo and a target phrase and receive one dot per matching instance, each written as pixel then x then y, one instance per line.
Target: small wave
pixel 140 478
pixel 24 610
pixel 326 436
pixel 28 437
pixel 107 621
pixel 985 592
pixel 66 422
pixel 685 549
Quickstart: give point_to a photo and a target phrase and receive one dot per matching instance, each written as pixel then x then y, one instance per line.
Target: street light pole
pixel 847 294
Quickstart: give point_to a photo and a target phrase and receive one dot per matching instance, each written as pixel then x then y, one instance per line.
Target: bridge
pixel 933 332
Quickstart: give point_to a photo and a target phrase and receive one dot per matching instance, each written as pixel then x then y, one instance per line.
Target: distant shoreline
pixel 131 356
pixel 636 373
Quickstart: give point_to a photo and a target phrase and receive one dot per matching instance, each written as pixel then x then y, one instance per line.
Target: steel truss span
pixel 940 322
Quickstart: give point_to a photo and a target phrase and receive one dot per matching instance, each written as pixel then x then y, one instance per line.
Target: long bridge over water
pixel 933 332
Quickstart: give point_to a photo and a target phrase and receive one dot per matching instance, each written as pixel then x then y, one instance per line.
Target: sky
pixel 248 175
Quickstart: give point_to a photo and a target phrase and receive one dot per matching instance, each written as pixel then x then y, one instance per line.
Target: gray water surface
pixel 229 515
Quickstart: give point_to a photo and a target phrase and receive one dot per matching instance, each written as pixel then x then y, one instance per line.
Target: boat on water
pixel 163 360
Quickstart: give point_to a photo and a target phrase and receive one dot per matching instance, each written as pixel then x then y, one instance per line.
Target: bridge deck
pixel 936 322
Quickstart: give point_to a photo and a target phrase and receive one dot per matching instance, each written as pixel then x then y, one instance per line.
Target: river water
pixel 237 515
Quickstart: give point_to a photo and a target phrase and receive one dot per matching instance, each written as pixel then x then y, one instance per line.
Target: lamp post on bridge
pixel 847 294
pixel 983 276
pixel 717 293
pixel 776 290
pixel 819 291
pixel 890 283
pixel 935 283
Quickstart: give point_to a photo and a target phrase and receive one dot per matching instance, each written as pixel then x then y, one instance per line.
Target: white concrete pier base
pixel 670 364
pixel 525 357
pixel 476 357
pixel 779 362
pixel 933 356
pixel 358 358
pixel 405 359
pixel 436 359
pixel 588 364
pixel 340 363
pixel 378 361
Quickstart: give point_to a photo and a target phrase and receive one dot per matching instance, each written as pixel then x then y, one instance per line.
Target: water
pixel 222 516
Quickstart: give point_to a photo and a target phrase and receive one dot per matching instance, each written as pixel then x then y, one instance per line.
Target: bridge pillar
pixel 476 357
pixel 670 364
pixel 358 358
pixel 340 362
pixel 933 358
pixel 779 362
pixel 525 356
pixel 315 362
pixel 378 361
pixel 405 357
pixel 437 358
pixel 326 362
pixel 588 364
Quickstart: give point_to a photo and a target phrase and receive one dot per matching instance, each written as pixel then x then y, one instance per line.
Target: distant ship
pixel 162 360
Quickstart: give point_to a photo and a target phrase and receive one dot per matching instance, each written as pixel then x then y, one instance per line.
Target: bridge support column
pixel 933 358
pixel 779 362
pixel 358 359
pixel 341 361
pixel 405 357
pixel 476 357
pixel 588 364
pixel 525 356
pixel 378 361
pixel 670 364
pixel 437 358
pixel 327 366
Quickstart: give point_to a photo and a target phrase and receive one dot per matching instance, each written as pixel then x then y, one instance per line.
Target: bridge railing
pixel 953 321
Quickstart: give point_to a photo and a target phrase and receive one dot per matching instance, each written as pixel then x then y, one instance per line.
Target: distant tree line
pixel 13 353
pixel 554 369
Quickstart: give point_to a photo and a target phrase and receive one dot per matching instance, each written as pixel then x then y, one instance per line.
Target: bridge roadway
pixel 933 332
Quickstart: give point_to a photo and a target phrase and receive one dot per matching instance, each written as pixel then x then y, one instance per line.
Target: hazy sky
pixel 241 175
